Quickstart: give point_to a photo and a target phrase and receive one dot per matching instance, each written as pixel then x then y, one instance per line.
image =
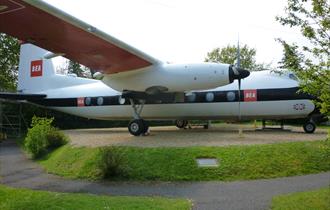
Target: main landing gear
pixel 185 124
pixel 181 123
pixel 138 126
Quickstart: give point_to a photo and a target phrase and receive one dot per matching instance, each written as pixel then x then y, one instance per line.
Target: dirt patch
pixel 218 135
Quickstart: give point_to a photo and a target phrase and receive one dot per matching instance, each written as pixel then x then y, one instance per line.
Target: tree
pixel 310 62
pixel 292 59
pixel 9 55
pixel 75 68
pixel 228 55
pixel 79 70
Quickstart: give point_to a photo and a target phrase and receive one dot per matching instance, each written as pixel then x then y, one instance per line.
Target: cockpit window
pixel 293 76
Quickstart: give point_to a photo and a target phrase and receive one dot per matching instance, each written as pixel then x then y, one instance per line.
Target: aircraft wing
pixel 43 25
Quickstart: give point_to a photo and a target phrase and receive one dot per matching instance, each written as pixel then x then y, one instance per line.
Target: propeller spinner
pixel 237 73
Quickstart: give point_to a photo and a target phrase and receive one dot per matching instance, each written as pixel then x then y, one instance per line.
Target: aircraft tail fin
pixel 34 72
pixel 37 73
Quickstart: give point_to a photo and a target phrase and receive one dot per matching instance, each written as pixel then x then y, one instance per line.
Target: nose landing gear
pixel 309 127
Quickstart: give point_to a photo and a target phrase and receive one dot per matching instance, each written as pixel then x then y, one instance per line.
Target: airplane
pixel 134 84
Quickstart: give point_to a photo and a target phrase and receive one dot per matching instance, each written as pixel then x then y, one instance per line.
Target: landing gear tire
pixel 146 127
pixel 138 127
pixel 181 123
pixel 309 127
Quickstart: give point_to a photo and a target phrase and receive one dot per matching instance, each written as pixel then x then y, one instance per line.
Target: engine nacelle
pixel 172 78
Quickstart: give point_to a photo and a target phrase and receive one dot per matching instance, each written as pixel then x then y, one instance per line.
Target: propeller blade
pixel 239 99
pixel 238 56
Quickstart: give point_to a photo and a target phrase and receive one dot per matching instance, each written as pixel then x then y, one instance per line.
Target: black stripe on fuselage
pixel 195 97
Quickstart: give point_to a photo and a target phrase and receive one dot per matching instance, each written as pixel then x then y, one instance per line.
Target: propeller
pixel 241 74
pixel 236 72
pixel 238 64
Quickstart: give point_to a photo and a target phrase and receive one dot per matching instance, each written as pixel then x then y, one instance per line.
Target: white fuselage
pixel 219 103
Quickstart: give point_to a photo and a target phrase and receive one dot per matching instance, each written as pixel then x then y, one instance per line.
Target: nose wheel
pixel 309 127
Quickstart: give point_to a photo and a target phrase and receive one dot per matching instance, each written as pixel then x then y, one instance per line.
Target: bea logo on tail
pixel 36 68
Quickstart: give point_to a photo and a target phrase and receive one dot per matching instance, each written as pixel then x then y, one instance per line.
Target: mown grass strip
pixel 318 199
pixel 177 164
pixel 13 199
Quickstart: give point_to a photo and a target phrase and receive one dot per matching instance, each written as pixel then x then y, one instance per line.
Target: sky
pixel 180 31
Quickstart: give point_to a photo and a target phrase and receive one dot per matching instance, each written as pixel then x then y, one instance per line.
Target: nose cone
pixel 237 73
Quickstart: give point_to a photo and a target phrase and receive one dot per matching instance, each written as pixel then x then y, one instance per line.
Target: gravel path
pixel 219 135
pixel 18 171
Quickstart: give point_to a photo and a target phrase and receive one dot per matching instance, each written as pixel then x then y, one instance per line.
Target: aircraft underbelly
pixel 284 109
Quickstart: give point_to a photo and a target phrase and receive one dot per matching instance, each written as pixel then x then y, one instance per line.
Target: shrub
pixel 112 163
pixel 36 140
pixel 42 136
pixel 56 138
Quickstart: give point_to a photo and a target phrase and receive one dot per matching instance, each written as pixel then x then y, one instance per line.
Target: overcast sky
pixel 185 30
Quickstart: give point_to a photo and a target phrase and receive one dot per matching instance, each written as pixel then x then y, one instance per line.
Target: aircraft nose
pixel 237 73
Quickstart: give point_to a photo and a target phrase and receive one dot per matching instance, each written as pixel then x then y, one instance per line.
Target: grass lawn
pixel 316 200
pixel 325 127
pixel 178 164
pixel 13 199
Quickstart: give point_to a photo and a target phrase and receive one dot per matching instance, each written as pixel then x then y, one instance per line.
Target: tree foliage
pixel 292 58
pixel 9 54
pixel 311 62
pixel 75 68
pixel 228 55
pixel 79 70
